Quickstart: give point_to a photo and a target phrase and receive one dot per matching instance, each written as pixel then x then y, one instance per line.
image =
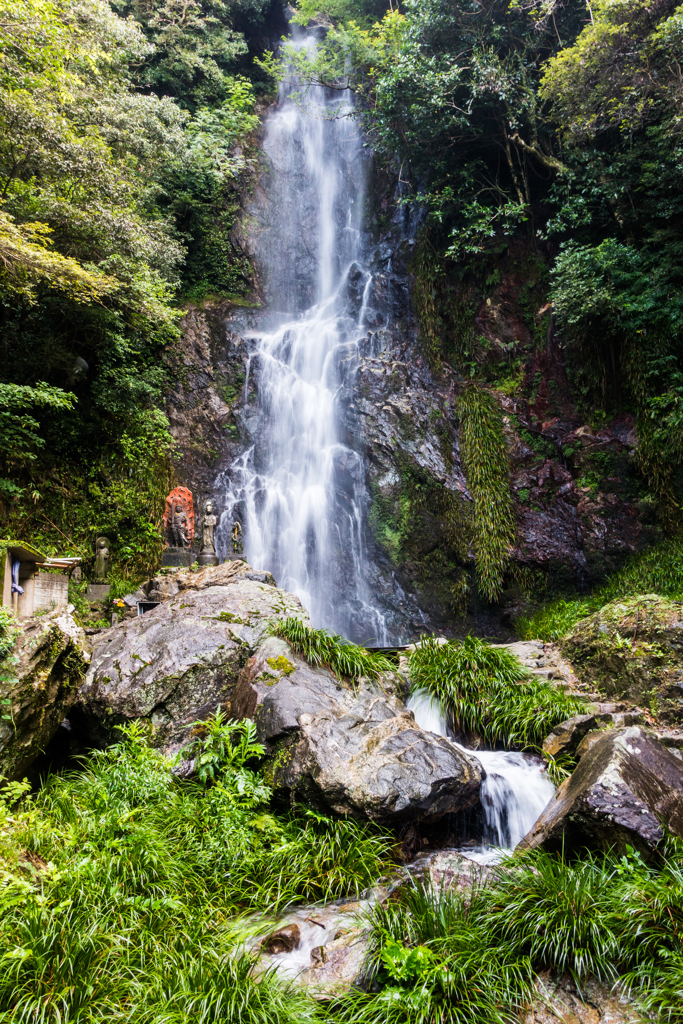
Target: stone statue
pixel 101 559
pixel 178 527
pixel 208 556
pixel 237 538
pixel 178 524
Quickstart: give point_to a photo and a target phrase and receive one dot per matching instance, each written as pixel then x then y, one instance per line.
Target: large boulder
pixel 39 683
pixel 626 789
pixel 633 649
pixel 180 662
pixel 360 753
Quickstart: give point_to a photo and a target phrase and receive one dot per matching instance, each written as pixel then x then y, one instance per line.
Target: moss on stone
pixel 632 648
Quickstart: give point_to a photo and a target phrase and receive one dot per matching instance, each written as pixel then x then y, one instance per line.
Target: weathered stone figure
pixel 178 525
pixel 237 538
pixel 101 559
pixel 207 555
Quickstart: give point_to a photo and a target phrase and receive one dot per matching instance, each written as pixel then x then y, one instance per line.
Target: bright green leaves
pixel 221 744
pixel 485 690
pixel 623 64
pixel 320 647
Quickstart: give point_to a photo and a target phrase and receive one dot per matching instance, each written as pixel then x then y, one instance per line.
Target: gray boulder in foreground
pixel 209 648
pixel 38 685
pixel 625 786
pixel 181 661
pixel 358 754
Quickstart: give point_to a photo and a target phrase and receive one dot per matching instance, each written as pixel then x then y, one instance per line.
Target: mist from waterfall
pixel 299 490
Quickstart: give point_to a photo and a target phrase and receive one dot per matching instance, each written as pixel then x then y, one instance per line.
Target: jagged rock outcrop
pixel 357 753
pixel 38 685
pixel 633 649
pixel 181 661
pixel 624 787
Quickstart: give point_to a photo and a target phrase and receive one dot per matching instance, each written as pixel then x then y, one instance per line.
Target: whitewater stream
pixel 300 490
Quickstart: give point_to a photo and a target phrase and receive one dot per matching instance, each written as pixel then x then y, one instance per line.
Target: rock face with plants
pixel 42 665
pixel 181 661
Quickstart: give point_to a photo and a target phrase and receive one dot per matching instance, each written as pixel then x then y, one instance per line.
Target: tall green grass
pixel 472 957
pixel 657 571
pixel 122 891
pixel 320 647
pixel 488 691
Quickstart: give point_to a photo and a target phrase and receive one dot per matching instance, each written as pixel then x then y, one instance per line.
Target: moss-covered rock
pixel 633 649
pixel 39 682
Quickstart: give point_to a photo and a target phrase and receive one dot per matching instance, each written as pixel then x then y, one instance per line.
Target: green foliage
pixel 487 691
pixel 9 630
pixel 124 906
pixel 215 748
pixel 552 621
pixel 471 957
pixel 657 571
pixel 116 197
pixel 320 647
pixel 485 461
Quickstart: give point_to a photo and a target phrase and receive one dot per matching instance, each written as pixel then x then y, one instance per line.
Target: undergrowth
pixel 122 889
pixel 320 647
pixel 657 571
pixel 487 690
pixel 471 958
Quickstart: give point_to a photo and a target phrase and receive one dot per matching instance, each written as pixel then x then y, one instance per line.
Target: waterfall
pixel 515 790
pixel 299 490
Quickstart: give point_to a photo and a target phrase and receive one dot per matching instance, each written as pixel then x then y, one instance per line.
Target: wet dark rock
pixel 633 649
pixel 360 753
pixel 566 737
pixel 283 941
pixel 44 672
pixel 624 790
pixel 372 761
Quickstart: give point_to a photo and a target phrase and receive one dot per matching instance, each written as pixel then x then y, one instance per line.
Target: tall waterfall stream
pixel 299 490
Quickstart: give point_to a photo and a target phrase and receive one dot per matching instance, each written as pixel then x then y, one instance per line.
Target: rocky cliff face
pixel 578 502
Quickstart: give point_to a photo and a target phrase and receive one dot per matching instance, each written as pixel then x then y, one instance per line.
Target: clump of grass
pixel 553 621
pixel 485 461
pixel 487 690
pixel 320 647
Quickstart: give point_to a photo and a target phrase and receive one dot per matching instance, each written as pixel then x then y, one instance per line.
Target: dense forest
pixel 545 135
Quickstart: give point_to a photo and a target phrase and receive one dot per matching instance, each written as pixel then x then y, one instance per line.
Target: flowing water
pixel 299 490
pixel 516 788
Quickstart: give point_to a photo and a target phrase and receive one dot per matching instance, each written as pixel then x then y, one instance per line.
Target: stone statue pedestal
pixel 207 558
pixel 177 558
pixel 98 591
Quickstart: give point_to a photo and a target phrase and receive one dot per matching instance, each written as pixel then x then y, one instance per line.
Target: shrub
pixel 320 647
pixel 485 689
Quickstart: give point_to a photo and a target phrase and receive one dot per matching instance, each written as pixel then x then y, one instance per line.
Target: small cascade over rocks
pixel 515 791
pixel 299 490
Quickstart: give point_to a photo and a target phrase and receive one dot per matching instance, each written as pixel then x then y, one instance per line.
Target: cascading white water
pixel 299 490
pixel 515 790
